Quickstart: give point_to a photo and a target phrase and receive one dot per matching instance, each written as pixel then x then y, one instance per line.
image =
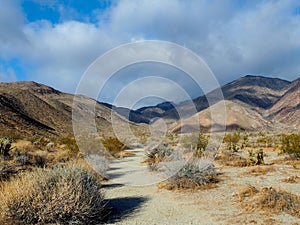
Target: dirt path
pixel 147 204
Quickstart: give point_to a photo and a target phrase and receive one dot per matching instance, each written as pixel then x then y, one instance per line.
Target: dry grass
pixel 291 180
pixel 269 200
pixel 232 159
pixel 62 195
pixel 258 170
pixel 8 171
pixel 247 191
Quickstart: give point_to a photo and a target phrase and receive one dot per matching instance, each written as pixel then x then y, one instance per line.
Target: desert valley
pixel 251 178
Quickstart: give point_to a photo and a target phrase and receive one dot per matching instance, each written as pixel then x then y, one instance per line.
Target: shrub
pixel 5 146
pixel 113 145
pixel 202 143
pixel 7 171
pixel 62 195
pixel 228 158
pixel 22 159
pixel 271 200
pixel 40 160
pixel 232 141
pixel 158 154
pixel 257 157
pixel 71 144
pixel 290 144
pixel 193 175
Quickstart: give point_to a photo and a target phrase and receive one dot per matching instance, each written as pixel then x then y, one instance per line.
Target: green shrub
pixel 232 141
pixel 196 142
pixel 113 145
pixel 256 157
pixel 290 144
pixel 202 143
pixel 62 195
pixel 71 144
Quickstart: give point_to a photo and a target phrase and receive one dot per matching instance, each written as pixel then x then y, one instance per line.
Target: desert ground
pixel 220 205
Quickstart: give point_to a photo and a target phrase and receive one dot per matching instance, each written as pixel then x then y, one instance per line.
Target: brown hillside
pixel 287 109
pixel 238 115
pixel 28 108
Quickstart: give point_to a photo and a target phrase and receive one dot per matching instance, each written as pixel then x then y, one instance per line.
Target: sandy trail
pixel 146 204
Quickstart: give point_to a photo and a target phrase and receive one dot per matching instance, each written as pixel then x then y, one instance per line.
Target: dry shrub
pixel 199 174
pixel 62 195
pixel 7 171
pixel 247 191
pixel 272 201
pixel 227 158
pixel 286 161
pixel 259 170
pixel 158 154
pixel 292 179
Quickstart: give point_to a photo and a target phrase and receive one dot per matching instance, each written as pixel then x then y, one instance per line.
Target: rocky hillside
pixel 28 108
pixel 257 92
pixel 287 109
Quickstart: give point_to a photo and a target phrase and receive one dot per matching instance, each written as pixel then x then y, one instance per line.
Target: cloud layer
pixel 234 38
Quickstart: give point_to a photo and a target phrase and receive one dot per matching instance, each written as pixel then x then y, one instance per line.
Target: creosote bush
pixel 71 144
pixel 196 174
pixel 62 195
pixel 114 146
pixel 290 144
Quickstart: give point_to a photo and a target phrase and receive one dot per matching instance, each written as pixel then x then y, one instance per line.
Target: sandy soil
pixel 134 203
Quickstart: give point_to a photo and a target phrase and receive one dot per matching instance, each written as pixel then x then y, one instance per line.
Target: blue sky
pixel 54 41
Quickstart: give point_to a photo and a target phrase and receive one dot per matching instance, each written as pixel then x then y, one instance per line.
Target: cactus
pixel 5 146
pixel 256 157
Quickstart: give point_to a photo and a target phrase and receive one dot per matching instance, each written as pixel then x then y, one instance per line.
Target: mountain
pixel 238 116
pixel 28 108
pixel 257 92
pixel 144 114
pixel 287 109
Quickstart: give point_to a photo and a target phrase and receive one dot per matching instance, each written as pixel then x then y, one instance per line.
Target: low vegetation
pixel 67 194
pixel 198 174
pixel 231 140
pixel 158 154
pixel 5 146
pixel 270 200
pixel 196 143
pixel 113 146
pixel 256 157
pixel 290 144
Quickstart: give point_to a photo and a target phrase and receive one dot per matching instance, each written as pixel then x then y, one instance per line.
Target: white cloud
pixel 260 37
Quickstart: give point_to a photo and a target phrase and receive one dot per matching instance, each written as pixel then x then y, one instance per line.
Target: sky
pixel 54 41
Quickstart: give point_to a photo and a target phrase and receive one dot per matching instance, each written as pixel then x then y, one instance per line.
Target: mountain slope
pixel 28 108
pixel 256 91
pixel 238 116
pixel 287 109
